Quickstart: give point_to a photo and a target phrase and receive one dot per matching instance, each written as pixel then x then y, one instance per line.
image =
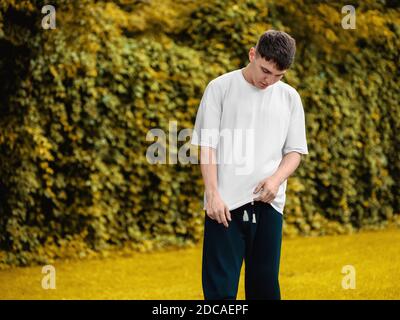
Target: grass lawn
pixel 311 268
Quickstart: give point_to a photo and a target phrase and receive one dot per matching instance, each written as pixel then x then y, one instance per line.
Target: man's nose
pixel 268 79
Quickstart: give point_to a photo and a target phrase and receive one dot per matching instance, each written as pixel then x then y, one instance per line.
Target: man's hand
pixel 269 189
pixel 217 209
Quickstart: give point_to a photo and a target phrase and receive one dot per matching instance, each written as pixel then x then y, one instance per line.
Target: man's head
pixel 271 57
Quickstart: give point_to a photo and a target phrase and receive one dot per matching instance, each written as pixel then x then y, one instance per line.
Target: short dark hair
pixel 277 46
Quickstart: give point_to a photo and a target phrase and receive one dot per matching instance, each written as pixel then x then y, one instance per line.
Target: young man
pixel 248 112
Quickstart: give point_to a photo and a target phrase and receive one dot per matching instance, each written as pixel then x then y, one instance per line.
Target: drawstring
pixel 254 215
pixel 250 229
pixel 246 216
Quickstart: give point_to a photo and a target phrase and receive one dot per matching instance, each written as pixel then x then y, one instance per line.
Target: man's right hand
pixel 217 209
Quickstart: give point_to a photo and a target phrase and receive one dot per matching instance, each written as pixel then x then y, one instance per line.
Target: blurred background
pixel 77 103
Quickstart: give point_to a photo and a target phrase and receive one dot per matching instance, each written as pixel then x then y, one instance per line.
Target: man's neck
pixel 246 74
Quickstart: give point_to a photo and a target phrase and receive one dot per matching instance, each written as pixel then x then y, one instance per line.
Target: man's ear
pixel 252 54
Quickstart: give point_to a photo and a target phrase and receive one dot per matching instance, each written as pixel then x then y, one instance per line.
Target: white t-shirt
pixel 251 129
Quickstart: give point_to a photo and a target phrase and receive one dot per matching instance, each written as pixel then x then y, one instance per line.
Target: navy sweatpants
pixel 255 235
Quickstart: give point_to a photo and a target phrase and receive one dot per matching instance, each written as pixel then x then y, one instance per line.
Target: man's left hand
pixel 269 189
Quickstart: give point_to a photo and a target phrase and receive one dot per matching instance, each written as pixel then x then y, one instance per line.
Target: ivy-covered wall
pixel 77 102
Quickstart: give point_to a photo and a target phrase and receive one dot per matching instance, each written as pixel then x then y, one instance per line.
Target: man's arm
pixel 216 208
pixel 209 170
pixel 288 166
pixel 270 185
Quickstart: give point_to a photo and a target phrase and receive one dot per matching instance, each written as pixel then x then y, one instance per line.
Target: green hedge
pixel 77 103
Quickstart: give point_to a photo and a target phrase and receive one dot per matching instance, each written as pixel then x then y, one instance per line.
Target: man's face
pixel 264 73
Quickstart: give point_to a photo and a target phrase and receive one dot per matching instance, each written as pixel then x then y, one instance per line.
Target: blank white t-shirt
pixel 251 130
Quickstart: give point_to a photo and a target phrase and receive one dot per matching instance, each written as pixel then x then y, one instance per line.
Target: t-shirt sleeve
pixel 296 136
pixel 207 125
